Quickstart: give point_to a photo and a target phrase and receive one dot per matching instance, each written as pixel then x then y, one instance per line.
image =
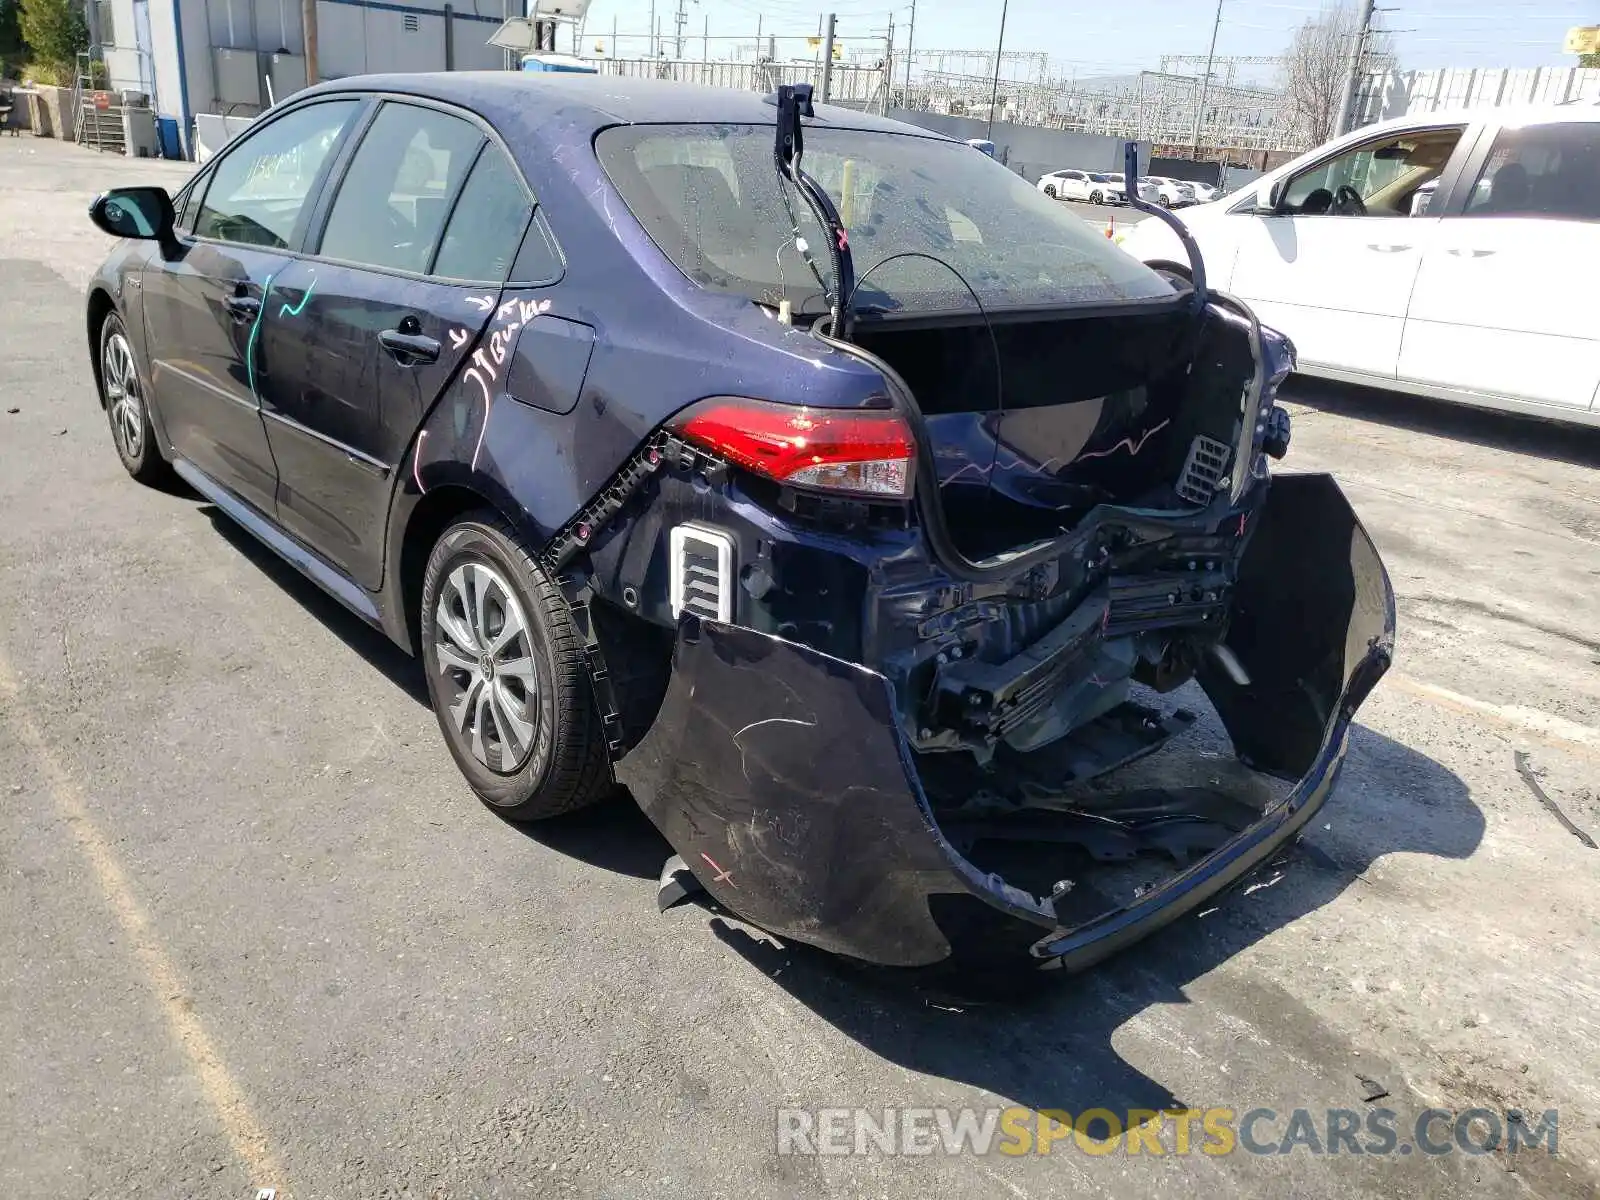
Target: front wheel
pixel 508 675
pixel 122 395
pixel 1051 192
pixel 1096 198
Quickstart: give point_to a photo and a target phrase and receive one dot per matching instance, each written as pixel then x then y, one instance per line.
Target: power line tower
pixel 679 20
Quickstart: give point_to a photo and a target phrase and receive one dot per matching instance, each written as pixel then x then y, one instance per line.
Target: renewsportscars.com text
pixel 1210 1131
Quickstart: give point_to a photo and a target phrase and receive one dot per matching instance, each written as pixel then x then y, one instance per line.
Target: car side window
pixel 397 192
pixel 1541 171
pixel 488 222
pixel 186 207
pixel 1378 179
pixel 259 187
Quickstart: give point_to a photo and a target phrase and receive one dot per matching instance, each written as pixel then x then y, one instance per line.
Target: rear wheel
pixel 1096 197
pixel 122 395
pixel 508 677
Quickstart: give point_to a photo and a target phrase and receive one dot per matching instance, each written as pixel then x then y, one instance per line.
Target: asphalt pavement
pixel 257 933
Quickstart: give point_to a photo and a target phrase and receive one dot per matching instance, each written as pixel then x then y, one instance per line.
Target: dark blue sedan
pixel 813 476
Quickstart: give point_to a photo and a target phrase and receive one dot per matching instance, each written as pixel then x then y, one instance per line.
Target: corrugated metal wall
pixel 1403 93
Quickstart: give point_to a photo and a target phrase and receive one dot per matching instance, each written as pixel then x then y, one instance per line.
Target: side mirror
pixel 135 212
pixel 1273 199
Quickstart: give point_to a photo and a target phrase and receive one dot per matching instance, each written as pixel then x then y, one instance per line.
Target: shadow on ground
pixel 1576 445
pixel 400 668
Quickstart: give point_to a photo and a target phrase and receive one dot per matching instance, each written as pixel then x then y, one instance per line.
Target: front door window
pixel 1387 178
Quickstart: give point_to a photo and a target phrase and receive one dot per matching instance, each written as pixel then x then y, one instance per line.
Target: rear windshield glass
pixel 713 201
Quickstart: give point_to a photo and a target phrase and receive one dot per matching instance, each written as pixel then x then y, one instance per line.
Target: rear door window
pixel 259 188
pixel 396 194
pixel 488 222
pixel 1541 171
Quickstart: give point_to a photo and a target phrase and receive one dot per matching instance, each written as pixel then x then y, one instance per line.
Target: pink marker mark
pixel 1243 517
pixel 723 876
pixel 844 239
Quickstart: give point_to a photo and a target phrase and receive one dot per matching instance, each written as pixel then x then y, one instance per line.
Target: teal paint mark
pixel 286 311
pixel 250 346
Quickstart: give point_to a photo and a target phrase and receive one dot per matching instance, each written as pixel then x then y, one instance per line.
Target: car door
pixel 204 300
pixel 361 337
pixel 1502 305
pixel 1333 263
pixel 1073 185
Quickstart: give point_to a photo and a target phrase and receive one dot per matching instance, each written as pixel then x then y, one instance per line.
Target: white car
pixel 1091 186
pixel 1204 193
pixel 1171 193
pixel 1117 186
pixel 1445 254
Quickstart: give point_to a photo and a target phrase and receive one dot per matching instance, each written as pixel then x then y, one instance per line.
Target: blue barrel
pixel 167 137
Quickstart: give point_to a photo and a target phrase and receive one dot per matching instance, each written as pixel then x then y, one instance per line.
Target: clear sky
pixel 1098 37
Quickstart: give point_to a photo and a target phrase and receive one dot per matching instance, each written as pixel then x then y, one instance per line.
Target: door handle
pixel 243 308
pixel 1468 252
pixel 408 349
pixel 1393 248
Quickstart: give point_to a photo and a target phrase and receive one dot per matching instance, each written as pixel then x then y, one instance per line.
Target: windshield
pixel 711 199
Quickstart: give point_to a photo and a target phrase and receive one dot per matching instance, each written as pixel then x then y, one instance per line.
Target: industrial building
pixel 195 57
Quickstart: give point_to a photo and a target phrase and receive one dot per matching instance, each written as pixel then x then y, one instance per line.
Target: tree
pixel 1589 60
pixel 56 32
pixel 1317 67
pixel 12 47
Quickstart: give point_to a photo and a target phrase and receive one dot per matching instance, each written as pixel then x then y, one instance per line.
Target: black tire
pixel 1050 191
pixel 565 765
pixel 1096 197
pixel 1165 203
pixel 125 398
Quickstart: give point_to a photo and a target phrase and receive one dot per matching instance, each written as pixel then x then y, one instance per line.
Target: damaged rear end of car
pixel 1000 646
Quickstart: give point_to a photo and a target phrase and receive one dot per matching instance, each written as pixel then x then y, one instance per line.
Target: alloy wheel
pixel 485 654
pixel 124 399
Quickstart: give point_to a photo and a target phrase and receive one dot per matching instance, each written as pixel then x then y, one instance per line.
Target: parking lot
pixel 258 933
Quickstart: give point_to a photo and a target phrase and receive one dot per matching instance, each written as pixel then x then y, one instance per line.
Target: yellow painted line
pixel 249 1139
pixel 1583 740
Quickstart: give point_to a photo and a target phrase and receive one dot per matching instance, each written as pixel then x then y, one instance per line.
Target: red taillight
pixel 864 452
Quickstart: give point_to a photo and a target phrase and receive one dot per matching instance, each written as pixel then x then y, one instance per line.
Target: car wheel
pixel 508 675
pixel 122 395
pixel 1165 203
pixel 1051 192
pixel 1096 198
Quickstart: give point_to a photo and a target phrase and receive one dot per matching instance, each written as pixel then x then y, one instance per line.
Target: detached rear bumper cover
pixel 782 778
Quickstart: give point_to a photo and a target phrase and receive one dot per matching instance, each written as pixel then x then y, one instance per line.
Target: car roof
pixel 513 100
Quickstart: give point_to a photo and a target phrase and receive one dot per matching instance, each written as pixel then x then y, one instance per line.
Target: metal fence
pixel 861 86
pixel 1401 93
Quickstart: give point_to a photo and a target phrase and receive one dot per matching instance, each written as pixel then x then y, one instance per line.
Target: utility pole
pixel 705 41
pixel 1352 80
pixel 758 37
pixel 652 43
pixel 308 20
pixel 679 20
pixel 827 60
pixel 911 41
pixel 1205 84
pixel 999 51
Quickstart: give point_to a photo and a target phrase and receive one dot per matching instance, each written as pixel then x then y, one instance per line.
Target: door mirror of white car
pixel 1270 198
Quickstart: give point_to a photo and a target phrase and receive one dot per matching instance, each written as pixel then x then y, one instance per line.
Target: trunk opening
pixel 1088 410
